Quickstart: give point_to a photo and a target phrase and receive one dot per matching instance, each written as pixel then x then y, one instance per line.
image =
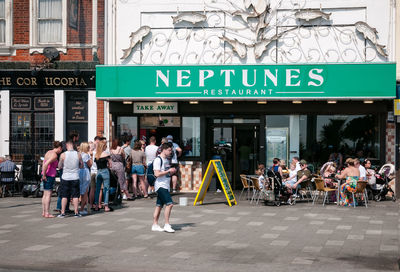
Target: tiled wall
pixel 390 143
pixel 191 174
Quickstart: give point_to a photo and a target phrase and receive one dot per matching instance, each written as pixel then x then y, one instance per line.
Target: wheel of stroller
pixel 378 198
pixel 394 198
pixel 38 193
pixel 277 203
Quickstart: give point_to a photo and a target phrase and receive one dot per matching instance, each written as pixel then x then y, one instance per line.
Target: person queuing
pixel 84 175
pixel 128 164
pixel 49 172
pixel 93 173
pixel 151 154
pixel 103 162
pixel 118 159
pixel 70 163
pixel 138 170
pixel 175 154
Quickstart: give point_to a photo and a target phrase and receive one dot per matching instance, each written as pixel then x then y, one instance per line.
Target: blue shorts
pixel 49 183
pixel 163 197
pixel 137 169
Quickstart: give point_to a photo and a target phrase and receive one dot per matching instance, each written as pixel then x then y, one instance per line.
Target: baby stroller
pixel 379 190
pixel 115 196
pixel 30 178
pixel 281 194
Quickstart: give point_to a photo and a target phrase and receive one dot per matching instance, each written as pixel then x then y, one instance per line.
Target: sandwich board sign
pixel 215 166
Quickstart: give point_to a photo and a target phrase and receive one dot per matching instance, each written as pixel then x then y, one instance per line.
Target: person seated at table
pixel 328 172
pixel 292 179
pixel 261 179
pixel 276 167
pixel 370 173
pixel 351 173
pixel 303 174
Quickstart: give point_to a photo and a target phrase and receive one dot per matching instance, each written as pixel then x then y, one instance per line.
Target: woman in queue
pixel 84 175
pixel 103 162
pixel 138 169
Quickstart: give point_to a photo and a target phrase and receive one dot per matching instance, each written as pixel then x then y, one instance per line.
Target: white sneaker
pixel 124 197
pixel 156 228
pixel 168 228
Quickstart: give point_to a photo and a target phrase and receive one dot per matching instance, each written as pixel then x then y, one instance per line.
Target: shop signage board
pixel 397 107
pixel 149 107
pixel 280 81
pixel 43 103
pixel 21 103
pixel 215 166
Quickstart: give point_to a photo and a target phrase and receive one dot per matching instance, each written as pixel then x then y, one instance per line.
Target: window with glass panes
pixel 2 21
pixel 49 25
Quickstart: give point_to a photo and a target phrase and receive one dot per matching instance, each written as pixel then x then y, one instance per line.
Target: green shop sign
pixel 308 81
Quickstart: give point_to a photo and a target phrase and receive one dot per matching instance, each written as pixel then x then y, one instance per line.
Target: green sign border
pixel 339 81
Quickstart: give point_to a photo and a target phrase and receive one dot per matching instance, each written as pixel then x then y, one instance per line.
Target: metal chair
pixel 361 189
pixel 320 188
pixel 246 182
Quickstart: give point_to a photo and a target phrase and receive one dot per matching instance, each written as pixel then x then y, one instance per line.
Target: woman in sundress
pixel 352 175
pixel 118 158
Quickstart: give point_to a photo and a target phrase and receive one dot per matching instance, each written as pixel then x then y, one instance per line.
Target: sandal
pixel 109 209
pixel 49 215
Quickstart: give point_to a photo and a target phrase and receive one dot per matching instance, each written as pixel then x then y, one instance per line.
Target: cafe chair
pixel 361 189
pixel 257 191
pixel 246 182
pixel 321 189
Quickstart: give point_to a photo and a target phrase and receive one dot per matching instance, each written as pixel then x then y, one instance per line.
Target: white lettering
pixel 273 78
pixel 181 77
pixel 227 76
pixel 245 76
pixel 203 77
pixel 316 77
pixel 164 78
pixel 289 77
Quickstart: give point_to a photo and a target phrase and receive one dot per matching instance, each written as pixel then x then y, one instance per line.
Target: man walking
pixel 70 162
pixel 162 187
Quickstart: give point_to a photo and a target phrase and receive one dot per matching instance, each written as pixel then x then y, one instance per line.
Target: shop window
pixel 191 136
pixel 127 126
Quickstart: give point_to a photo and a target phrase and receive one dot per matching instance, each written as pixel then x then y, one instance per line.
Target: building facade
pixel 48 53
pixel 247 81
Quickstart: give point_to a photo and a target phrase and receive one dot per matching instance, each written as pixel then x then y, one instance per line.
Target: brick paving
pixel 211 237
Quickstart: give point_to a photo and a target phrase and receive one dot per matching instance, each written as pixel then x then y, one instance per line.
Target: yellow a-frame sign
pixel 215 166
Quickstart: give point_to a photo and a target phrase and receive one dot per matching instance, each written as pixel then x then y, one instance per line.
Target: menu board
pixel 43 103
pixel 77 108
pixel 20 103
pixel 215 166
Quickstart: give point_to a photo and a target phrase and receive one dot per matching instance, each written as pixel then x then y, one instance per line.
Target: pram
pixel 379 190
pixel 281 194
pixel 30 177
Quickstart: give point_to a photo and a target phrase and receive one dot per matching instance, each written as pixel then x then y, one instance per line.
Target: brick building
pixel 48 53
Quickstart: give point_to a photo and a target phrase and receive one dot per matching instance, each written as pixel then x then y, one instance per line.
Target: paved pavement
pixel 211 237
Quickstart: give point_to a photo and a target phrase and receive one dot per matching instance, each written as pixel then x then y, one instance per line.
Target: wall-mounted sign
pixel 46 79
pixel 312 81
pixel 397 107
pixel 43 103
pixel 149 107
pixel 21 103
pixel 77 108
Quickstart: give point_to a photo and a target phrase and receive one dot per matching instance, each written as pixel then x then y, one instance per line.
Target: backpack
pixel 128 162
pixel 151 178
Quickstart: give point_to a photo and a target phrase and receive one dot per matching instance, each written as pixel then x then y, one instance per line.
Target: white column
pixel 92 115
pixel 107 120
pixel 5 123
pixel 294 128
pixel 59 115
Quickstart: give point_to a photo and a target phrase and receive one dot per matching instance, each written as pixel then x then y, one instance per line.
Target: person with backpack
pixel 151 153
pixel 175 154
pixel 163 172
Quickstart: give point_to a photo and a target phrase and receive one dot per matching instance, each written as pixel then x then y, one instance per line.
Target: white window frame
pixel 33 27
pixel 5 48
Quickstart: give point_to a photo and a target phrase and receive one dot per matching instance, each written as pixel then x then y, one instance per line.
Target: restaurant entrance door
pixel 236 143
